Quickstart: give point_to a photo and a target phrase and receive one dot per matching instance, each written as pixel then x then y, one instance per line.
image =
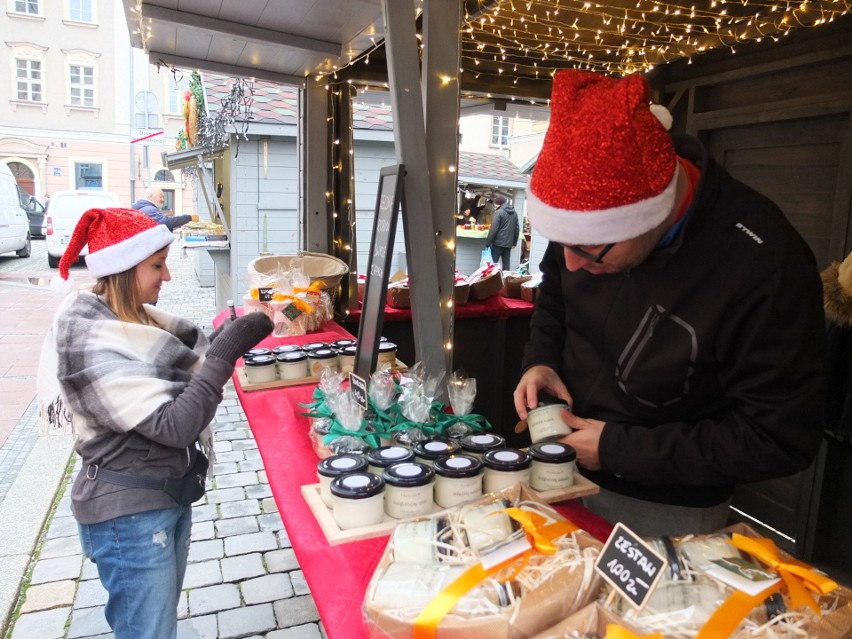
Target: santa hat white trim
pixel 605 226
pixel 126 254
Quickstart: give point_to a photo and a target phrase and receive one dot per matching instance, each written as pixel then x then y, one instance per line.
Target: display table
pixel 336 575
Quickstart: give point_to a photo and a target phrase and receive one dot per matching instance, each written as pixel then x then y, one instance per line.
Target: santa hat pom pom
pixel 663 115
pixel 61 285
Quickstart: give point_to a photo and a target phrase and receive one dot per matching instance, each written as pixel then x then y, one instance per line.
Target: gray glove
pixel 218 331
pixel 239 336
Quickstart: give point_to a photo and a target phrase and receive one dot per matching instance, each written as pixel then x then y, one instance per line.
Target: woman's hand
pixel 535 379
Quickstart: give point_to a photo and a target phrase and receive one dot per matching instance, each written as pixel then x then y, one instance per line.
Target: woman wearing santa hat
pixel 143 386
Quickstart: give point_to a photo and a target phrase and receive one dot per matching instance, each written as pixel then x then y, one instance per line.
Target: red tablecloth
pixel 495 306
pixel 337 575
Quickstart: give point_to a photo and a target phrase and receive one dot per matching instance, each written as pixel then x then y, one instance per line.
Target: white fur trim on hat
pixel 126 254
pixel 592 228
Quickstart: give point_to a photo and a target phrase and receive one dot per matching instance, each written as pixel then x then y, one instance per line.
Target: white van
pixel 14 225
pixel 65 210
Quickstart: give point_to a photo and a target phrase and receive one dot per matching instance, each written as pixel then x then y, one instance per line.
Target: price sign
pixel 630 565
pixel 391 181
pixel 358 388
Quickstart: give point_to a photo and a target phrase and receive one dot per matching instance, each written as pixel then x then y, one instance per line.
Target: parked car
pixel 35 212
pixel 14 228
pixel 66 209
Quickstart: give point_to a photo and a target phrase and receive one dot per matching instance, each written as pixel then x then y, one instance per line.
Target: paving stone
pixel 47 624
pixel 255 542
pixel 205 627
pixel 300 585
pixel 237 479
pixel 225 495
pixel 307 631
pixel 183 605
pixel 90 570
pixel 262 478
pixel 270 522
pixel 86 622
pixel 231 456
pixel 206 512
pixel 268 505
pixel 61 547
pixel 282 560
pixel 63 508
pixel 251 454
pixel 225 468
pixel 251 464
pixel 203 573
pixel 202 530
pixel 261 491
pixel 204 601
pixel 90 593
pixel 229 418
pixel 62 527
pixel 243 444
pixel 283 539
pixel 239 622
pixel 237 526
pixel 55 594
pixel 266 589
pixel 206 550
pixel 57 569
pixel 222 447
pixel 295 611
pixel 243 508
pixel 242 567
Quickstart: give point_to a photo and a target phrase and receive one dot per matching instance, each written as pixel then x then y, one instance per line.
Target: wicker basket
pixel 317 266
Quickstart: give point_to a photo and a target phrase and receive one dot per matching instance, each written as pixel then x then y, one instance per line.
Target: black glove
pixel 218 331
pixel 239 336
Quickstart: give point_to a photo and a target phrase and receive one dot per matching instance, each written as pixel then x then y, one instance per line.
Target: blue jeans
pixel 141 561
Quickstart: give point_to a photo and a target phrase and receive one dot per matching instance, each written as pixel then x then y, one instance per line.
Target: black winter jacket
pixel 706 361
pixel 504 229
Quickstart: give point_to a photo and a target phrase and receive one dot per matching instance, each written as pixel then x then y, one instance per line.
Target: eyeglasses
pixel 597 259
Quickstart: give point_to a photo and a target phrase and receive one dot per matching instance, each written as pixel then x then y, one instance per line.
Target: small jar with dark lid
pixel 335 466
pixel 387 355
pixel 346 358
pixel 285 348
pixel 315 346
pixel 342 343
pixel 427 451
pixel 256 352
pixel 260 369
pixel 320 359
pixel 292 365
pixel 553 465
pixel 357 500
pixel 505 467
pixel 458 478
pixel 383 456
pixel 408 490
pixel 480 443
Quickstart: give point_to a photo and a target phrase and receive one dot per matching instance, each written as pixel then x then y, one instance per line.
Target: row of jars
pixel 403 482
pixel 296 362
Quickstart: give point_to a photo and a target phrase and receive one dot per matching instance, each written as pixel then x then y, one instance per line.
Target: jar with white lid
pixel 458 478
pixel 545 423
pixel 553 465
pixel 357 500
pixel 285 348
pixel 335 466
pixel 505 467
pixel 387 355
pixel 292 365
pixel 346 359
pixel 383 456
pixel 260 369
pixel 428 450
pixel 315 346
pixel 342 343
pixel 321 359
pixel 480 443
pixel 256 352
pixel 408 490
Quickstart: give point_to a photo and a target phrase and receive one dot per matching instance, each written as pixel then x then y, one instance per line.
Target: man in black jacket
pixel 504 232
pixel 680 315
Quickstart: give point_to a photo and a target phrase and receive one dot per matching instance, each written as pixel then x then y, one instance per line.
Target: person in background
pixel 504 232
pixel 680 315
pixel 152 204
pixel 142 387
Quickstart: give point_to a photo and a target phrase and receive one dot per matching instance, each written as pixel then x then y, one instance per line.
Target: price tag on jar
pixel 630 566
pixel 358 388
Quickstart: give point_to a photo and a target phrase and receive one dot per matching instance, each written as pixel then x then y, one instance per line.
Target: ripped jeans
pixel 141 561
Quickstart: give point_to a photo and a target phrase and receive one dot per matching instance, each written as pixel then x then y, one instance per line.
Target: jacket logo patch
pixel 750 233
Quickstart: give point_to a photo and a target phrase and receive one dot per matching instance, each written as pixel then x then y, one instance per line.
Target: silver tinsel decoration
pixel 232 116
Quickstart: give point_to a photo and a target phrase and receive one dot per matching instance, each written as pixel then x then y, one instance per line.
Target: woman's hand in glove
pixel 239 336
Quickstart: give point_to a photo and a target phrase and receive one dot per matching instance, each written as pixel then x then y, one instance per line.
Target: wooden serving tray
pixel 335 535
pixel 247 386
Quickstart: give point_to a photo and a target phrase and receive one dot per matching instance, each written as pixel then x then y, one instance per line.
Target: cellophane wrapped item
pixel 462 392
pixel 590 622
pixel 688 595
pixel 332 418
pixel 526 596
pixel 417 406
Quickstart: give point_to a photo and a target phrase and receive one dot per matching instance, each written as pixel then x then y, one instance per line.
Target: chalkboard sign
pixel 388 201
pixel 358 388
pixel 630 565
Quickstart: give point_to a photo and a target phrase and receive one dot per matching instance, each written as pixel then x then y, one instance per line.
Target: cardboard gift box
pixel 487 285
pixel 529 289
pixel 512 284
pixel 399 295
pixel 461 293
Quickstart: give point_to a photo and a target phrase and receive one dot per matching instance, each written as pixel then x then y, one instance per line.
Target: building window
pixel 28 80
pixel 82 85
pixel 88 175
pixel 177 87
pixel 30 7
pixel 499 131
pixel 145 116
pixel 164 175
pixel 80 11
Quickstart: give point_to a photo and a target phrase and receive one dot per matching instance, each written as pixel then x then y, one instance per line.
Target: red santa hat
pixel 606 172
pixel 118 240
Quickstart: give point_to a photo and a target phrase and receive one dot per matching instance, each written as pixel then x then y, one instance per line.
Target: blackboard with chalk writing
pixel 388 201
pixel 630 565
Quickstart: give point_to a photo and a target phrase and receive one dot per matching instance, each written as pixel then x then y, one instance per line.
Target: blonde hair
pixel 121 293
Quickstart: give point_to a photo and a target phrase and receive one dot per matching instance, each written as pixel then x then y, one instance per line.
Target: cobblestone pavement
pixel 242 580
